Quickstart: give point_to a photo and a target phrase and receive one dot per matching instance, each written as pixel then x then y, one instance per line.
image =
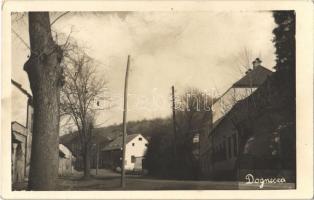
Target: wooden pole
pixel 174 123
pixel 124 123
pixel 199 155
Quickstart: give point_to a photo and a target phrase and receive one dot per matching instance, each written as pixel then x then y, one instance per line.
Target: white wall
pixel 29 138
pixel 138 150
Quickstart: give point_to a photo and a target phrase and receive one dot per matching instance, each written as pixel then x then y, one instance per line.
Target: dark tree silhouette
pixel 193 110
pixel 284 42
pixel 284 39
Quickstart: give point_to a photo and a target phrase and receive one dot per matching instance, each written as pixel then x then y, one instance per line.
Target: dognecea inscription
pixel 250 179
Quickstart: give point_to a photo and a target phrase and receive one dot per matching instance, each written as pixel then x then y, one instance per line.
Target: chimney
pixel 257 62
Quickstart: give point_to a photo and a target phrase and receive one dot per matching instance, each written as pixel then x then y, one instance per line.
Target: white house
pixel 66 160
pixel 136 146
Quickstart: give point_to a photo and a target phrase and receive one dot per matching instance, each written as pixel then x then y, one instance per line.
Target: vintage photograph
pixel 153 100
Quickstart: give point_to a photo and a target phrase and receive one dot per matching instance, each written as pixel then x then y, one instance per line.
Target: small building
pixel 21 136
pixel 21 132
pixel 135 150
pixel 66 160
pixel 19 140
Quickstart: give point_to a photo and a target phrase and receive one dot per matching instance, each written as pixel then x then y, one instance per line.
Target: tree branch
pixel 54 21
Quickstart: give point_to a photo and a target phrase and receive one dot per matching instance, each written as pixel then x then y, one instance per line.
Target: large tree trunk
pixel 44 73
pixel 86 161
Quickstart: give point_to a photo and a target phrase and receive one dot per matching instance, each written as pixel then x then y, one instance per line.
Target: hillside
pixel 104 135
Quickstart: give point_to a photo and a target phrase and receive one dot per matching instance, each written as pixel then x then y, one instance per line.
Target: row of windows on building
pixel 226 149
pixel 133 144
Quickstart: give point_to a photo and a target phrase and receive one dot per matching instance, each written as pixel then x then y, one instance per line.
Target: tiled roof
pixel 254 77
pixel 117 143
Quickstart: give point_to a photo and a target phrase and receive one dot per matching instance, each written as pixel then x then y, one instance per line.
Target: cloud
pixel 185 49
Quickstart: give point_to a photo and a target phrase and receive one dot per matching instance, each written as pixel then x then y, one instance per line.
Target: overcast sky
pixel 184 49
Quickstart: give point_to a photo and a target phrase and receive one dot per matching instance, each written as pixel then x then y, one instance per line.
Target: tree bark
pixel 86 161
pixel 44 73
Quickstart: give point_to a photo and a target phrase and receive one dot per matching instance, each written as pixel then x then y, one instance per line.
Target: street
pixel 108 180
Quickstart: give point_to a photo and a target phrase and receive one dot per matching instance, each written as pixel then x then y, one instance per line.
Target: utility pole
pixel 199 155
pixel 174 123
pixel 124 123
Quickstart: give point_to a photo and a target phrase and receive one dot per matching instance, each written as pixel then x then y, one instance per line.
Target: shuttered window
pixel 133 159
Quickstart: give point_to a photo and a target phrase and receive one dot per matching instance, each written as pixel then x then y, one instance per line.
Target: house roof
pixel 253 78
pixel 217 122
pixel 117 143
pixel 16 127
pixel 64 151
pixel 19 86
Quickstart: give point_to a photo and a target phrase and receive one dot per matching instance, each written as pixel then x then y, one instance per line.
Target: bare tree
pixel 244 58
pixel 81 96
pixel 44 73
pixel 193 113
pixel 194 110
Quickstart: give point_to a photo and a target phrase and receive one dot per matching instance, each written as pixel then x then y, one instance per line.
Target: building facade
pixel 135 150
pixel 220 142
pixel 21 133
pixel 66 160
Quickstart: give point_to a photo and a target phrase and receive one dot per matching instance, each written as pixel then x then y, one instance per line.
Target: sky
pixel 186 49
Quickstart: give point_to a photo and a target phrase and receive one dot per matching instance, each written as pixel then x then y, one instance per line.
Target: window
pixel 224 151
pixel 235 145
pixel 146 145
pixel 32 122
pixel 133 144
pixel 132 159
pixel 140 139
pixel 229 148
pixel 214 154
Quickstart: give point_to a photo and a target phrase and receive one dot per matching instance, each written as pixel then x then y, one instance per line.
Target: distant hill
pixel 99 135
pixel 104 135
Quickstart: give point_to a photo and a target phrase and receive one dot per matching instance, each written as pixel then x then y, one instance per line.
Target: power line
pixel 21 39
pixel 59 17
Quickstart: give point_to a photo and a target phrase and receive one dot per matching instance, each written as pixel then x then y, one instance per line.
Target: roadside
pixel 109 180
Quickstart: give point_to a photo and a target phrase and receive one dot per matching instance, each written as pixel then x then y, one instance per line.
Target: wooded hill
pixel 106 134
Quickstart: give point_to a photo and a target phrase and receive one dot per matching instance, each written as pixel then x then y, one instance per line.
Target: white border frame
pixel 304 95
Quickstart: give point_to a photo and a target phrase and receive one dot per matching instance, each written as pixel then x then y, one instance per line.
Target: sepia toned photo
pixel 153 100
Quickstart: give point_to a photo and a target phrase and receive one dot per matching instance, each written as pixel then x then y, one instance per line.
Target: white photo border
pixel 304 95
